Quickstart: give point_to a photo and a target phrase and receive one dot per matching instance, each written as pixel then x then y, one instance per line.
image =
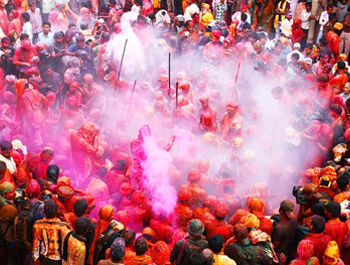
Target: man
pixel 48 235
pixel 243 251
pixel 4 21
pixel 8 212
pixel 141 247
pixel 84 144
pixel 324 18
pixel 230 124
pixel 193 244
pixel 5 174
pixel 284 232
pixel 198 194
pixel 182 211
pixel 117 253
pixel 205 17
pixel 282 9
pixel 345 35
pixel 220 11
pixel 221 211
pixel 25 56
pixel 342 7
pixel 35 19
pixel 6 156
pixel 335 228
pixel 46 36
pixel 216 244
pixel 75 244
pixel 317 238
pixel 26 26
pixel 306 17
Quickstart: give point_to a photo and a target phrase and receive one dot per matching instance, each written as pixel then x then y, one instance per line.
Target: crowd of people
pixel 174 132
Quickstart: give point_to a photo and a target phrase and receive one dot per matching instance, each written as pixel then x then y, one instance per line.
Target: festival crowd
pixel 130 132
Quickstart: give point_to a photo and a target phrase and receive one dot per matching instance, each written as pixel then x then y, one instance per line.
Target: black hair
pixel 323 42
pixel 296 56
pixel 26 16
pixel 82 225
pixel 151 16
pixel 23 36
pixel 141 246
pixel 333 208
pixel 52 173
pixel 71 25
pixel 308 45
pixel 106 36
pixel 277 89
pixel 216 242
pixel 50 209
pixel 318 223
pixel 113 2
pixel 336 108
pixel 244 17
pixel 80 207
pixel 120 165
pixel 341 65
pixel 6 146
pixel 129 237
pixel 3 166
pixel 84 26
pixel 308 4
pixel 198 259
pixel 343 181
pixel 47 23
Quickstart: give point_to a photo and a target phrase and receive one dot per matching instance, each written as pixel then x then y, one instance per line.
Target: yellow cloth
pixel 76 252
pixel 223 260
pixel 206 18
pixel 282 7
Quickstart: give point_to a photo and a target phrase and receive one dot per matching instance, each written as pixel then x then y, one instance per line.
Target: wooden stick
pixel 169 89
pixel 121 62
pixel 132 95
pixel 236 79
pixel 177 94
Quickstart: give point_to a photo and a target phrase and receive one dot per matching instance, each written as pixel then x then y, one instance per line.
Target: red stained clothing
pixel 7 177
pixel 211 227
pixel 337 231
pixel 183 214
pixel 24 56
pixel 319 241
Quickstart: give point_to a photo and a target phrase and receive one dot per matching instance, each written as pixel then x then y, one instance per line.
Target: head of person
pixel 343 182
pixel 141 246
pixel 33 189
pixel 308 6
pixel 129 237
pixel 80 207
pixel 46 155
pixel 286 208
pixel 25 17
pixel 82 226
pixel 5 42
pixel 308 48
pixel 8 190
pixel 32 6
pixel 329 9
pixel 58 37
pixel 244 17
pixel 216 243
pixel 295 58
pixel 50 209
pixel 6 149
pixel 331 254
pixel 195 227
pixel 311 192
pixel 322 81
pixel 80 41
pixel 306 64
pixel 52 173
pixel 118 250
pixel 72 26
pixel 317 224
pixel 305 249
pixel 241 232
pixel 3 168
pixel 335 110
pixel 198 259
pixel 194 176
pixel 46 26
pixel 209 255
pixel 332 210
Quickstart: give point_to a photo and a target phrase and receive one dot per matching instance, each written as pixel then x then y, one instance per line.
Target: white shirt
pixel 323 19
pixel 35 20
pixel 47 6
pixel 237 15
pixel 48 40
pixel 27 28
pixel 305 23
pixel 10 163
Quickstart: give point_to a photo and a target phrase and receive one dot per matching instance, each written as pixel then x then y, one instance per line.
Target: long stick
pixel 177 94
pixel 121 62
pixel 132 95
pixel 59 93
pixel 169 62
pixel 236 79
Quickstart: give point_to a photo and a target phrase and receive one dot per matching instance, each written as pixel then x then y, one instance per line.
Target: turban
pixel 138 197
pixel 305 249
pixel 194 175
pixel 88 126
pixel 238 142
pixel 256 206
pixel 125 188
pixel 148 232
pixel 33 159
pixel 184 194
pixel 205 5
pixel 160 253
pixel 163 78
pixel 33 188
pixel 63 181
pixel 232 105
pixel 332 251
pixel 221 210
pixel 224 232
pixel 250 221
pixel 210 201
pixel 6 186
pixel 338 26
pixel 184 85
pixel 106 213
pixel 65 192
pixel 195 227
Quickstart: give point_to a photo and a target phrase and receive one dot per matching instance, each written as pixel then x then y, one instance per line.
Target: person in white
pixel 6 156
pixel 27 27
pixel 296 49
pixel 35 19
pixel 237 14
pixel 46 36
pixel 324 17
pixel 293 6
